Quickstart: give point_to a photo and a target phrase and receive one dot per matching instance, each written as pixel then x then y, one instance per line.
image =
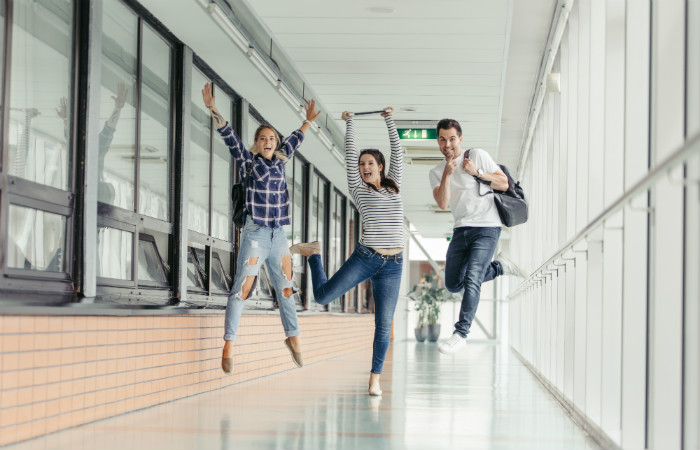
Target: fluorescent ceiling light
pixel 325 139
pixel 262 66
pixel 337 155
pixel 289 96
pixel 229 28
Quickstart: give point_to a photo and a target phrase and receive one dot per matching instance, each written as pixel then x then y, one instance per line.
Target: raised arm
pixel 396 165
pixel 293 141
pixel 231 138
pixel 353 172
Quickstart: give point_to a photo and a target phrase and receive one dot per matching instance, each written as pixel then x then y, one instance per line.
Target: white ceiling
pixel 472 60
pixel 443 58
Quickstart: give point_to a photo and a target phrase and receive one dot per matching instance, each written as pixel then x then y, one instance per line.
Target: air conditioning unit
pixel 423 156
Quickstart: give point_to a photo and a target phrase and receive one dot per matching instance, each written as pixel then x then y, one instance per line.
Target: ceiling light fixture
pixel 288 95
pixel 229 28
pixel 262 66
pixel 381 9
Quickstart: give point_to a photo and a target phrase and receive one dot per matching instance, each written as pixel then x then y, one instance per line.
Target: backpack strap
pixel 479 181
pixel 249 171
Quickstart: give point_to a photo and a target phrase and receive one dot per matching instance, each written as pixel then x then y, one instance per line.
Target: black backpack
pixel 238 197
pixel 511 203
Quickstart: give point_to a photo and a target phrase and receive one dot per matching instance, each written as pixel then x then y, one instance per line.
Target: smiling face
pixel 449 141
pixel 266 142
pixel 370 170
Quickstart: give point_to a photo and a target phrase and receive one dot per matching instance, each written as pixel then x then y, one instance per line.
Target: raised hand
pixel 62 110
pixel 208 97
pixel 311 114
pixel 389 112
pixel 450 166
pixel 120 99
pixel 346 115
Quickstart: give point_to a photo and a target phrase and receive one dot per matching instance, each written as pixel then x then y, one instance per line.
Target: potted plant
pixel 421 330
pixel 429 297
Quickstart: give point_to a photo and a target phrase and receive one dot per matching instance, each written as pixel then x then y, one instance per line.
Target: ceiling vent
pixel 424 156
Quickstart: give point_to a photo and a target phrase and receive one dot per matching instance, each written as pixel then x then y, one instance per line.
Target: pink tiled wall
pixel 61 371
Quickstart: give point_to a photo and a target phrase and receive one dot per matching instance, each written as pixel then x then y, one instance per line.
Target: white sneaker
pixel 509 267
pixel 454 344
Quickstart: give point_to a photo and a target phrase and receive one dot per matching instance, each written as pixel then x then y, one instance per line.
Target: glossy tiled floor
pixel 481 398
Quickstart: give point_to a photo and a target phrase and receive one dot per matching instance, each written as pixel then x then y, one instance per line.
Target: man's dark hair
pixel 446 124
pixel 385 182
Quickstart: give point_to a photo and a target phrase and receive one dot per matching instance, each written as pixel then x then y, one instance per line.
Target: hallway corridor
pixel 482 398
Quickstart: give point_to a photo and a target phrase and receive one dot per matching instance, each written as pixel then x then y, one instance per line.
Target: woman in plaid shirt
pixel 262 238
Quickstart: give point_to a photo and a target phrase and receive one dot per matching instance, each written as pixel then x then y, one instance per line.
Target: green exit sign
pixel 417 133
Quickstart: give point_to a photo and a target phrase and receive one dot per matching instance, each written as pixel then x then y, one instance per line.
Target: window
pixel 37 153
pixel 135 153
pixel 209 197
pixel 317 225
pixel 336 250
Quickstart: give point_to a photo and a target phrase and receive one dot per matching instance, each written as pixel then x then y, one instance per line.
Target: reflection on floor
pixel 481 398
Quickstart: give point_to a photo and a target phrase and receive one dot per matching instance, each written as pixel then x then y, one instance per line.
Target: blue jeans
pixel 267 245
pixel 385 274
pixel 468 264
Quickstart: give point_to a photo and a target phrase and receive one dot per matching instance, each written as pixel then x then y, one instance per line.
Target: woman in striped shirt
pixel 262 238
pixel 378 256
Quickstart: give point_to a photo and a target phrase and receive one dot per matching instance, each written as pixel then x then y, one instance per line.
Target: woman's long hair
pixel 254 148
pixel 385 182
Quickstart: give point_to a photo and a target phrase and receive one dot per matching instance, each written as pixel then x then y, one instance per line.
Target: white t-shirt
pixel 468 208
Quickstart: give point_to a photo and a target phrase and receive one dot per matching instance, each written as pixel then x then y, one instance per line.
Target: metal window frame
pixel 133 221
pixel 211 243
pixel 25 193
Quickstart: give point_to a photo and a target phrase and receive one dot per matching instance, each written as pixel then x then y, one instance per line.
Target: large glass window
pixel 336 243
pixel 221 220
pixel 114 253
pixel 154 155
pixel 118 100
pixel 135 152
pixel 210 181
pixel 200 143
pixel 40 114
pixel 317 224
pixel 39 158
pixel 39 239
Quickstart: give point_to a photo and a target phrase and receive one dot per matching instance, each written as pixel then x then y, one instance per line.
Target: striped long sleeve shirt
pixel 267 199
pixel 381 210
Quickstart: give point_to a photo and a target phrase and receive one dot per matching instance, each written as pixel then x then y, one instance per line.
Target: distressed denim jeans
pixel 385 274
pixel 268 245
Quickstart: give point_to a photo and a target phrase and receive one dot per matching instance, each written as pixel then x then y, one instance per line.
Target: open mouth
pixel 366 174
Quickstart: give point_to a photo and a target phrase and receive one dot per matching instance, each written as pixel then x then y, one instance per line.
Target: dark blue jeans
pixel 385 274
pixel 468 264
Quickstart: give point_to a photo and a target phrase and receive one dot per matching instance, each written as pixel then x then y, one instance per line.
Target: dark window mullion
pixel 137 152
pixel 4 125
pixel 207 251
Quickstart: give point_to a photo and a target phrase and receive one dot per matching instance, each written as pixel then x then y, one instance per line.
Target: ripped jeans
pixel 261 244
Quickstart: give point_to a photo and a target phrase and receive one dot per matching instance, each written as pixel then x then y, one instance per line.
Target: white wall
pixel 613 322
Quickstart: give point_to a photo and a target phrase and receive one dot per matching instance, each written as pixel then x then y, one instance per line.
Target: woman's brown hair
pixel 388 183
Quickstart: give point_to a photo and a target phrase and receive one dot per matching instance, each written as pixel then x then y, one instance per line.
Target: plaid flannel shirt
pixel 267 199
